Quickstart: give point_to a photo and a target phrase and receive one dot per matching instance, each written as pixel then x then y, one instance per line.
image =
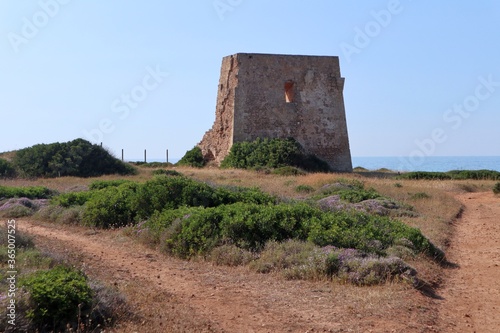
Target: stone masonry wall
pixel 280 96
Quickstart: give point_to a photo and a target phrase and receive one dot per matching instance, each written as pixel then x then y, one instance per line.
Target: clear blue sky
pixel 422 77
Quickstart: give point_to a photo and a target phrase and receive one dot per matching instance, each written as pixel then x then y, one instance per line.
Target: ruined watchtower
pixel 281 96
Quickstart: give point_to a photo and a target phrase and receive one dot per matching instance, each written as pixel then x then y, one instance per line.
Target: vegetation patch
pixel 304 189
pixel 153 164
pixel 349 191
pixel 7 169
pixel 272 153
pixel 31 192
pixel 19 207
pixel 454 174
pixel 197 231
pixel 305 261
pixel 193 158
pixel 53 297
pixel 496 188
pixel 172 173
pixel 77 158
pixel 58 294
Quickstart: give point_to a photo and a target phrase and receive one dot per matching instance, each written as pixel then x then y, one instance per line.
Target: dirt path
pixel 170 295
pixel 471 296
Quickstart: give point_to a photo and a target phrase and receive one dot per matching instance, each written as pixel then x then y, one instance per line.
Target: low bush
pixel 193 158
pixel 167 173
pixel 293 259
pixel 72 199
pixel 192 231
pixel 59 294
pixel 111 207
pixel 372 270
pixel 31 192
pixel 23 241
pixel 304 189
pixel 496 188
pixel 19 207
pixel 230 255
pixel 272 153
pixel 303 260
pixel 350 191
pixel 165 192
pixel 77 158
pixel 100 184
pixel 454 174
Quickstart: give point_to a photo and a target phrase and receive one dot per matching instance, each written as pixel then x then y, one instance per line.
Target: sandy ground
pixel 171 295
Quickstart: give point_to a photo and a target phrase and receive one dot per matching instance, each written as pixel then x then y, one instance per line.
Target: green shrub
pixel 425 175
pixel 32 192
pixel 192 231
pixel 496 188
pixel 193 158
pixel 234 194
pixel 165 192
pixel 352 191
pixel 271 153
pixel 111 206
pixel 72 198
pixel 58 294
pixel 304 189
pixel 77 158
pixel 167 173
pixel 7 169
pixel 454 174
pixel 100 184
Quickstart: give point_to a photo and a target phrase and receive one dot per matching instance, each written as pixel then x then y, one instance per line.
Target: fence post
pixel 122 154
pixel 145 156
pixel 167 155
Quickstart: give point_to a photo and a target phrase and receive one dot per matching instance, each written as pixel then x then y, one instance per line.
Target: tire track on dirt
pixel 232 304
pixel 471 294
pixel 181 296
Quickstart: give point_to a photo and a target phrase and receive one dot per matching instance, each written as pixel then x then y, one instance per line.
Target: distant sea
pixel 430 163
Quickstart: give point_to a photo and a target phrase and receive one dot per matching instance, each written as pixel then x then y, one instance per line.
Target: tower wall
pixel 281 96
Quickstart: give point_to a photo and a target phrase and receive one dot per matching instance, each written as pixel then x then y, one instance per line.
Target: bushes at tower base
pixel 272 153
pixel 193 158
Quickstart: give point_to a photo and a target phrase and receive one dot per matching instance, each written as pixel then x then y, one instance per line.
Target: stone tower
pixel 281 96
